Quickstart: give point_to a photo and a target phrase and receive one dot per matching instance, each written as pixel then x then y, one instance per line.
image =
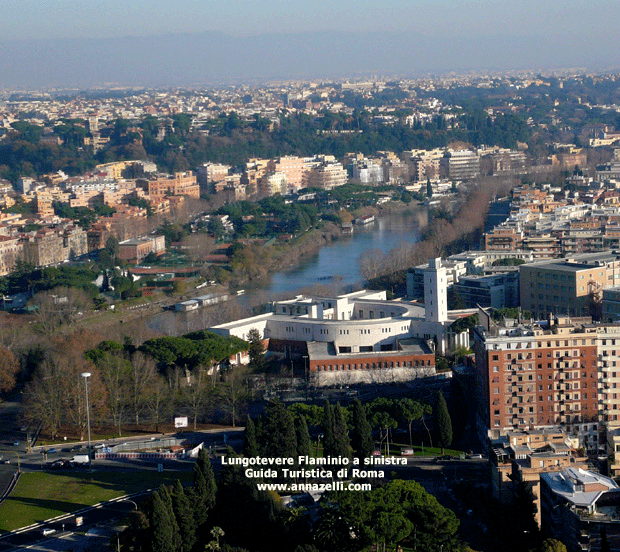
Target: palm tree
pixel 331 531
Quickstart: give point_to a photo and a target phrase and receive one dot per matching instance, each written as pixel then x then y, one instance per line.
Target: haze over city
pixel 134 43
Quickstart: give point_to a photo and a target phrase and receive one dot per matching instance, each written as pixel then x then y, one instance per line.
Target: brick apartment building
pixel 180 184
pixel 136 250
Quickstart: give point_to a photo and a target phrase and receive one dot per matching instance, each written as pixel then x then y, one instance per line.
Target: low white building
pixel 358 332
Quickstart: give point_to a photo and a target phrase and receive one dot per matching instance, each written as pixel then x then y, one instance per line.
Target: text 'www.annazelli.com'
pixel 314 487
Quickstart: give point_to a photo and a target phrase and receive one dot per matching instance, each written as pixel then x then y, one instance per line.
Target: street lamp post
pixel 135 506
pixel 86 375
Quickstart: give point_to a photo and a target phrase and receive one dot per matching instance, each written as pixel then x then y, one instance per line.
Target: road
pixel 101 516
pixel 97 520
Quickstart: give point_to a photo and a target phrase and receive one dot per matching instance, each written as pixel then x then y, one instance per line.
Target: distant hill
pixel 215 57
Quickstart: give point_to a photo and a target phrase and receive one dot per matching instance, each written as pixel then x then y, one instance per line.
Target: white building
pixel 359 336
pixel 435 286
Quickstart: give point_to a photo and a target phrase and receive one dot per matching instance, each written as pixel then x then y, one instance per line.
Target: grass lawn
pixel 39 496
pixel 426 451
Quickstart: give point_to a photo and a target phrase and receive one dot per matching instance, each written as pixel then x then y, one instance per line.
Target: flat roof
pixel 563 484
pixel 321 350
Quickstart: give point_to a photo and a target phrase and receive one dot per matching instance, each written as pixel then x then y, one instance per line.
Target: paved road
pixel 98 526
pixel 104 515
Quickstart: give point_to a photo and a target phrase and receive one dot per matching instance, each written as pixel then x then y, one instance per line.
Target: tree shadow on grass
pixel 50 508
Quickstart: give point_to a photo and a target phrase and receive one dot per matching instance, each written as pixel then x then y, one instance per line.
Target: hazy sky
pixel 177 42
pixel 28 19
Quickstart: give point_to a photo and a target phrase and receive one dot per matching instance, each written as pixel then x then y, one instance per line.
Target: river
pixel 336 266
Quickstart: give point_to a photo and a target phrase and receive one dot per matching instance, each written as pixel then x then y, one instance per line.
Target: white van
pixel 47 531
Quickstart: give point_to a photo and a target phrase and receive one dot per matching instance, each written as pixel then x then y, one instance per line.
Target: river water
pixel 334 268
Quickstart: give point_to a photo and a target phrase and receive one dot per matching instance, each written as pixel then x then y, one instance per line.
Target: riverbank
pixel 256 262
pixel 446 233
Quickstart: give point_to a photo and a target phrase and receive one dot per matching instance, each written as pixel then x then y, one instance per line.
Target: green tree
pixel 163 536
pixel 248 516
pixel 184 514
pixel 204 490
pixel 331 531
pixel 400 512
pixel 384 423
pixel 250 445
pixel 329 439
pixel 256 351
pixel 199 498
pixel 303 438
pixel 278 432
pixel 443 423
pixel 342 444
pixel 203 464
pixel 410 411
pixel 311 412
pixel 554 545
pixel 361 436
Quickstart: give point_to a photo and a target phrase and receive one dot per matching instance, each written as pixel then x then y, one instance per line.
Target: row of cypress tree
pixel 278 434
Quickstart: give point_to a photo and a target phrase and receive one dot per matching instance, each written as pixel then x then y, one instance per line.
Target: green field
pixel 418 450
pixel 40 496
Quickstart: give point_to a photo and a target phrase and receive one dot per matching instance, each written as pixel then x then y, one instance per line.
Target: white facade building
pixel 355 333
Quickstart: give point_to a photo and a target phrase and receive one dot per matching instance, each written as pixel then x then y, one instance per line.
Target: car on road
pixel 444 457
pixel 51 450
pixel 47 531
pixel 475 456
pixel 61 464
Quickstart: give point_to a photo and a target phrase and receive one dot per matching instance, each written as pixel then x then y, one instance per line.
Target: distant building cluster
pixel 46 239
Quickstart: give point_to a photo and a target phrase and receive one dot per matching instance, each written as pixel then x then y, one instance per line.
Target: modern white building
pixel 358 336
pixel 368 172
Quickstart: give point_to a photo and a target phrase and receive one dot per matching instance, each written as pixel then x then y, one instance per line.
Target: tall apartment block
pixel 460 165
pixel 544 374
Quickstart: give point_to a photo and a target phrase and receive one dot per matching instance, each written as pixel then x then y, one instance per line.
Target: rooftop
pixel 578 486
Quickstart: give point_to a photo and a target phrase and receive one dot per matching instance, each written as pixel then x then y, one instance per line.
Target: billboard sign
pixel 180 422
